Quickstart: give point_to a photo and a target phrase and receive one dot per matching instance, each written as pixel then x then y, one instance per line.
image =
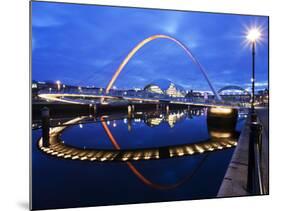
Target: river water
pixel 60 183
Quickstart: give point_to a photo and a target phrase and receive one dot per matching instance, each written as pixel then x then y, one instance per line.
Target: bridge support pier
pixel 133 108
pixel 157 107
pixel 90 109
pixel 167 109
pixel 222 117
pixel 45 114
pixel 129 110
pixel 95 109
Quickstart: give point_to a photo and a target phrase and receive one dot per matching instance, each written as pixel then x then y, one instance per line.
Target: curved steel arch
pixel 149 39
pixel 235 87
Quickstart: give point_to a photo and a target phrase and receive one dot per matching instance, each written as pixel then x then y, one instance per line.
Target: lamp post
pixel 253 37
pixel 254 182
pixel 58 85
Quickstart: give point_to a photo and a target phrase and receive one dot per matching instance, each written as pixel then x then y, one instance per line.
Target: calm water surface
pixel 59 183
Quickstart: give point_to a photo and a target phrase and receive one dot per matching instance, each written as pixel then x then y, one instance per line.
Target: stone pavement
pixel 235 180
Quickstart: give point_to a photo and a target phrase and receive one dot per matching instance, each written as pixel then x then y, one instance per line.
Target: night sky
pixel 84 45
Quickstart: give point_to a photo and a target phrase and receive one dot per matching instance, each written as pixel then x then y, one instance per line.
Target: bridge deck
pixel 68 98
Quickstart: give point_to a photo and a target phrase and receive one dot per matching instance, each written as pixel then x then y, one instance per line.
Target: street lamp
pixel 254 186
pixel 253 36
pixel 58 84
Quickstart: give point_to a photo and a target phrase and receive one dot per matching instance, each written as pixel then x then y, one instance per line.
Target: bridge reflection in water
pixel 220 138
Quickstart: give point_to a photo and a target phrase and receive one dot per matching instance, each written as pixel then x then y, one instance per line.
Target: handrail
pixel 255 173
pixel 258 169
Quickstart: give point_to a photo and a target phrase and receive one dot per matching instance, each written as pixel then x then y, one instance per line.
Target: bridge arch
pixel 149 39
pixel 233 87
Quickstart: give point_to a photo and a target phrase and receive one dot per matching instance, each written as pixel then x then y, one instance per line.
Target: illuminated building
pixel 153 89
pixel 172 91
pixel 154 121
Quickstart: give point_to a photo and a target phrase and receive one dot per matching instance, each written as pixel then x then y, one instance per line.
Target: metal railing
pixel 255 184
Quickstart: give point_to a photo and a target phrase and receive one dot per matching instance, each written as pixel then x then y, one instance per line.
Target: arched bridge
pixel 233 87
pixel 154 37
pixel 81 97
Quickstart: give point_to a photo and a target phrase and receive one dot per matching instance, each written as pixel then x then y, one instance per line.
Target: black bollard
pixel 254 140
pixel 254 116
pixel 45 114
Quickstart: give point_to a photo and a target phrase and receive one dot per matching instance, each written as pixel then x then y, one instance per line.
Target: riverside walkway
pixel 235 179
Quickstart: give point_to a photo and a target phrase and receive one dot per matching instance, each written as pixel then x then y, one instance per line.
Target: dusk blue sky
pixel 84 45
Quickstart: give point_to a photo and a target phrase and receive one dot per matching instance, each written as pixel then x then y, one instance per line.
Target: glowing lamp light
pixel 220 110
pixel 58 84
pixel 254 35
pixel 220 134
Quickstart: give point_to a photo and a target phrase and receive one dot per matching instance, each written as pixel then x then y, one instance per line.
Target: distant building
pixel 153 89
pixel 172 91
pixel 193 93
pixel 165 87
pixel 262 97
pixel 171 119
pixel 152 122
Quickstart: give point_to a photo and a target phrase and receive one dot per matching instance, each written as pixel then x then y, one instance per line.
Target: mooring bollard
pixel 45 115
pixel 254 139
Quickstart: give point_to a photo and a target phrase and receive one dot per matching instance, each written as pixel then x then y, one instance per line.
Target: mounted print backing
pixel 136 105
